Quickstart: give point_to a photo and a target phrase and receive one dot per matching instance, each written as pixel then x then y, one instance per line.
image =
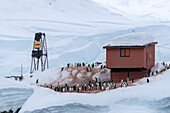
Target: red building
pixel 131 56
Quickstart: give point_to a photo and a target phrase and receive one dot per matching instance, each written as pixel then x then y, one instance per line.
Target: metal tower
pixel 39 53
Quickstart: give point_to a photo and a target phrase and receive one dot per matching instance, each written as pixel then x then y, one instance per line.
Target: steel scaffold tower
pixel 39 53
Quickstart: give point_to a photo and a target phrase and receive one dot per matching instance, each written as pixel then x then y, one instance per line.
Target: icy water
pixel 123 106
pixel 13 98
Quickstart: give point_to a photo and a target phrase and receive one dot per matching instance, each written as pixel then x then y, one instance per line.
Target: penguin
pixel 101 67
pixel 64 89
pixel 78 90
pixel 87 69
pixel 121 84
pixel 85 87
pixel 83 64
pixel 107 88
pixel 122 81
pixel 115 86
pixel 124 84
pixel 55 89
pixel 70 89
pixel 97 84
pixel 96 79
pixel 133 80
pixel 61 89
pixel 37 81
pixel 102 87
pixel 104 84
pixel 111 84
pixel 68 65
pixel 127 80
pixel 92 85
pixel 82 87
pixel 62 68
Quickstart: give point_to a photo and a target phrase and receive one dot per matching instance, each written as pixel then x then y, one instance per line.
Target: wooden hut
pixel 131 55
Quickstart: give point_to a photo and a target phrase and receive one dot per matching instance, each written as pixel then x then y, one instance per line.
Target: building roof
pixel 133 40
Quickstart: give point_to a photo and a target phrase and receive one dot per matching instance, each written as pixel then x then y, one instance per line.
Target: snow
pixel 133 39
pixel 8 83
pixel 76 32
pixel 72 35
pixel 149 10
pixel 74 72
pixel 81 48
pixel 13 94
pixel 68 75
pixel 104 75
pixel 79 75
pixel 43 98
pixel 158 67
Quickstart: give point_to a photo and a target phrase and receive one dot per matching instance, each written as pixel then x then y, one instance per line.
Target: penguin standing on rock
pixel 78 90
pixel 115 86
pixel 87 69
pixel 83 64
pixel 121 84
pixel 101 67
pixel 102 87
pixel 85 87
pixel 55 89
pixel 92 65
pixel 133 80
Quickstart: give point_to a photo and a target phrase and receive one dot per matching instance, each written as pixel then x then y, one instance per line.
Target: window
pixel 125 52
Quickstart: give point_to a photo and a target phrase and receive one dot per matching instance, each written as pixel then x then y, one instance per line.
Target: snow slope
pixel 64 22
pixel 76 31
pixel 117 100
pixel 148 10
